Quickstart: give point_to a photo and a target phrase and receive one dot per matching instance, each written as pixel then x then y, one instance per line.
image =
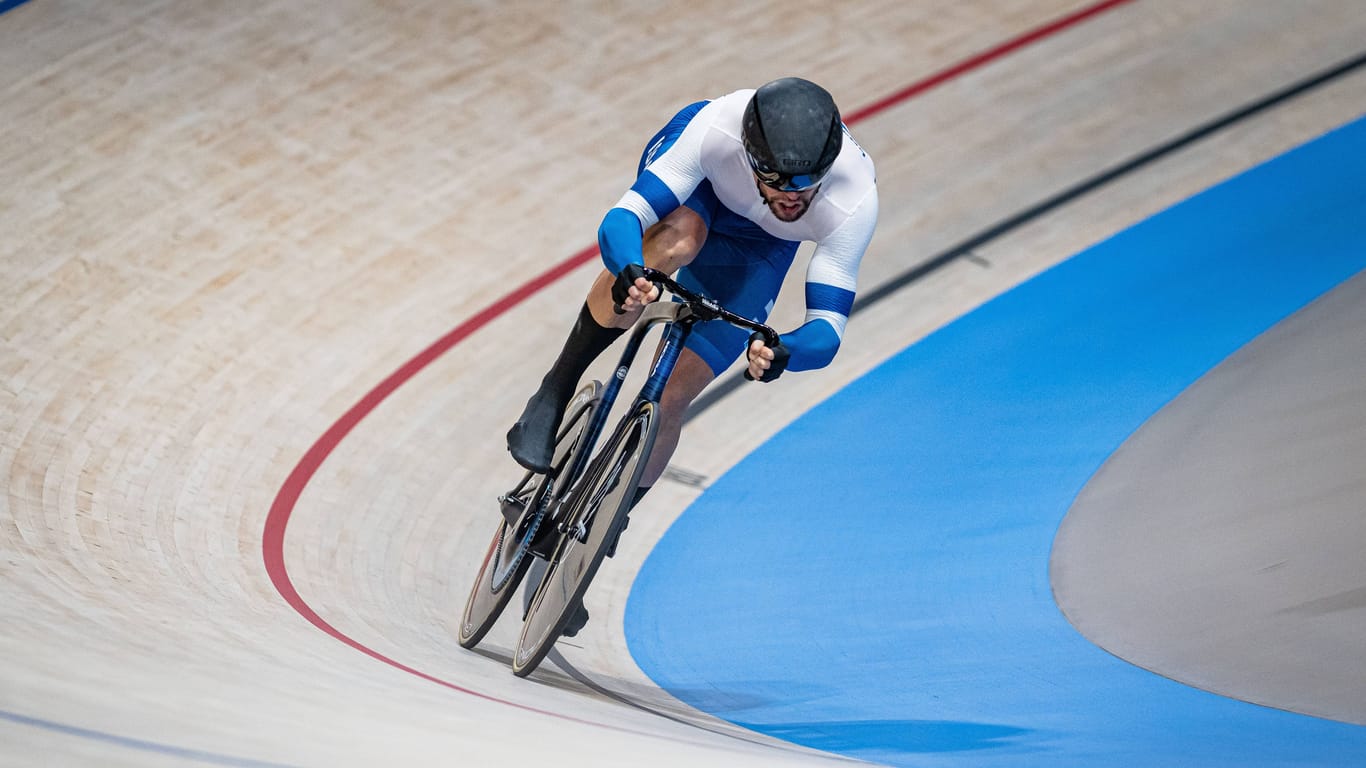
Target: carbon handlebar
pixel 707 308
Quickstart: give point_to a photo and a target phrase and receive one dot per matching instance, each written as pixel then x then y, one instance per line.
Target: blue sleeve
pixel 619 240
pixel 812 346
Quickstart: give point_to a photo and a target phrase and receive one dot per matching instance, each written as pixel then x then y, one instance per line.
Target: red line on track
pixel 273 538
pixel 981 59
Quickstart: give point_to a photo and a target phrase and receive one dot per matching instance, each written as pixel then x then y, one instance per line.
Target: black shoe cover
pixel 532 439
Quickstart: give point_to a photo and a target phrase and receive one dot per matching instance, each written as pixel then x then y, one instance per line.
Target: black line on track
pixel 966 248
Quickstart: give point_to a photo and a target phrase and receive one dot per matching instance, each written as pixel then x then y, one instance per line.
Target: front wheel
pixel 596 513
pixel 505 563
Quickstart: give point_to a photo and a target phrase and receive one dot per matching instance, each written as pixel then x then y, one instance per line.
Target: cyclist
pixel 724 195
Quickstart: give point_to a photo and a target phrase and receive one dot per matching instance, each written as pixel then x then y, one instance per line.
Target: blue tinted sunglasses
pixel 784 182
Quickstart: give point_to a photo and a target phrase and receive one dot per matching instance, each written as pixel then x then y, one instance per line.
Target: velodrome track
pixel 275 283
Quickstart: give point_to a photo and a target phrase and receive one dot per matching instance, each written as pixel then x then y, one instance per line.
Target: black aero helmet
pixel 792 133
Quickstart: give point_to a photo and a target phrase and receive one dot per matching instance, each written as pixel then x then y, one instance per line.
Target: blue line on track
pixel 6 5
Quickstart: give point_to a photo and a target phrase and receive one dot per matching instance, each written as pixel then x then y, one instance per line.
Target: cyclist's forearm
pixel 812 346
pixel 619 240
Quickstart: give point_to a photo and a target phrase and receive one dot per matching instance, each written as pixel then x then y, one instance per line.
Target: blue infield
pixel 874 580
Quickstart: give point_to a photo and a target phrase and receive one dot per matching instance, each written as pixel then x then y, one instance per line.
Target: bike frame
pixel 681 320
pixel 682 313
pixel 685 310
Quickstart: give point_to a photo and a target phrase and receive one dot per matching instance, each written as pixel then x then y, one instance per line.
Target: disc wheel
pixel 505 563
pixel 596 510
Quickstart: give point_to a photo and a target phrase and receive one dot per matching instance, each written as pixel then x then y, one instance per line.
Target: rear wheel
pixel 595 515
pixel 505 563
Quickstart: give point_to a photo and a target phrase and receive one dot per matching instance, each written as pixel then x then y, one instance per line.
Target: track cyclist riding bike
pixel 725 194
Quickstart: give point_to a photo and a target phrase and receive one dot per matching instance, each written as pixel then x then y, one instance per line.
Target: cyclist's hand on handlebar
pixel 632 290
pixel 765 363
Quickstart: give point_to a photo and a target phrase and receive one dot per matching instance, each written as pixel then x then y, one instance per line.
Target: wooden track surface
pixel 220 228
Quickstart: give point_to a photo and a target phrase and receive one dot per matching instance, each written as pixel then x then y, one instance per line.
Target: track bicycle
pixel 572 515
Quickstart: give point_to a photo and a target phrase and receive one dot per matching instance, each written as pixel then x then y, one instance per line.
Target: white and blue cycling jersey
pixel 699 160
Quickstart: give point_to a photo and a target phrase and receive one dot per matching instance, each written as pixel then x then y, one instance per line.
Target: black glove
pixel 776 366
pixel 621 288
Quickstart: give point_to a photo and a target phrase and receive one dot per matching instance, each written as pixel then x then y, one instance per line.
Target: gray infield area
pixel 1224 544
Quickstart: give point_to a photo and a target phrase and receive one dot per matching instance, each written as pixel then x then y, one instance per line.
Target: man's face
pixel 787 206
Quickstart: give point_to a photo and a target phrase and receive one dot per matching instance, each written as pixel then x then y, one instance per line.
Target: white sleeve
pixel 835 263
